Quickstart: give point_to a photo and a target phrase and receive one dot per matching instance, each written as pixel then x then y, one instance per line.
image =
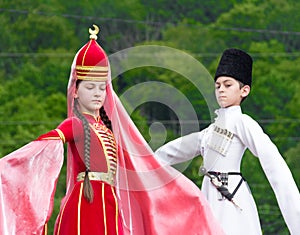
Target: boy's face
pixel 228 91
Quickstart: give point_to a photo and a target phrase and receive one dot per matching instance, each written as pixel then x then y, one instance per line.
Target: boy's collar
pixel 229 109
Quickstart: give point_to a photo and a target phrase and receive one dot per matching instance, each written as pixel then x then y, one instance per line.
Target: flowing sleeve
pixel 27 186
pixel 180 150
pixel 275 168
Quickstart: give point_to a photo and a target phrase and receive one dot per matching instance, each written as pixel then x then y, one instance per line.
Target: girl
pixel 114 184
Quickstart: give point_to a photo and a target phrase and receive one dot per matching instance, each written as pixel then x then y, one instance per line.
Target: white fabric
pixel 247 134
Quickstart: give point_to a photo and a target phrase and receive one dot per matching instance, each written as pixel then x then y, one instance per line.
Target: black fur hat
pixel 237 64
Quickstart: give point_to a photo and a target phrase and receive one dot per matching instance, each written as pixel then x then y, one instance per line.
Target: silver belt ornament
pixel 219 141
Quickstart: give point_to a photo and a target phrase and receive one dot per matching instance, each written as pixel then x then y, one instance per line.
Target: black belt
pixel 223 178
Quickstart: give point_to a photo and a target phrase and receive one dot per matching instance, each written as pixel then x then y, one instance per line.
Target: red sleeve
pixel 65 131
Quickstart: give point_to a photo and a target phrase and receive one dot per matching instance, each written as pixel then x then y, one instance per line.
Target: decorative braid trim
pixel 61 135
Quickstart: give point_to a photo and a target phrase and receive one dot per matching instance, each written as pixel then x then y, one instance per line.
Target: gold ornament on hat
pixel 94 32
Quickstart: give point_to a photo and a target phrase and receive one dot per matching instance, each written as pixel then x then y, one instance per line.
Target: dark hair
pixel 87 187
pixel 105 119
pixel 241 86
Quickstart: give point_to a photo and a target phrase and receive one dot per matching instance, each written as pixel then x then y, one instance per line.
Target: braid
pixel 88 190
pixel 105 118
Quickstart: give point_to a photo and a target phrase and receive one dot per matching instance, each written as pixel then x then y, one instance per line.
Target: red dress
pixel 77 215
pixel 147 198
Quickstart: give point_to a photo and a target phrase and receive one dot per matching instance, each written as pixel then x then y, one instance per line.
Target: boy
pixel 222 146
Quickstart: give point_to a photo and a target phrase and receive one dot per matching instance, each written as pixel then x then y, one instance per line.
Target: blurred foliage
pixel 40 38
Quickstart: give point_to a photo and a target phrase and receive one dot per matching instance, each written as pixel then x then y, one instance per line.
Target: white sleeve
pixel 180 150
pixel 275 168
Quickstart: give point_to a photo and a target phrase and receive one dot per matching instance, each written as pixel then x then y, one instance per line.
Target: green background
pixel 39 39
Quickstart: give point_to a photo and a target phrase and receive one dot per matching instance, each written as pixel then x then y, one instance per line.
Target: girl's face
pixel 91 96
pixel 228 91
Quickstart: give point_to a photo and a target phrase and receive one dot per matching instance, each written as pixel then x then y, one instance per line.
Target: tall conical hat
pixel 92 61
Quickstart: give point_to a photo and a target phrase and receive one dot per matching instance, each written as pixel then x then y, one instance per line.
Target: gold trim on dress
pixel 117 210
pixel 101 176
pixel 79 208
pixel 60 217
pixel 104 209
pixel 45 229
pixel 108 143
pixel 61 135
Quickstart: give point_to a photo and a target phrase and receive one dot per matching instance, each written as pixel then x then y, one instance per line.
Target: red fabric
pixel 49 136
pixel 152 199
pixel 27 186
pixel 91 54
pixel 167 201
pixel 73 131
pixel 91 214
pixel 92 62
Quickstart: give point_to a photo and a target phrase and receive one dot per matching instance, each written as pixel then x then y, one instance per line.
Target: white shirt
pixel 246 134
